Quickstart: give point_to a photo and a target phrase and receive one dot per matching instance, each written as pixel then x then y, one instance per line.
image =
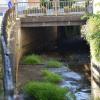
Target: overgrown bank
pixel 91 32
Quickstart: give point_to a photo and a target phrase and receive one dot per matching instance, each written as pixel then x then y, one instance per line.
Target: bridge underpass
pixel 46 38
pixel 42 40
pixel 46 29
pixel 49 39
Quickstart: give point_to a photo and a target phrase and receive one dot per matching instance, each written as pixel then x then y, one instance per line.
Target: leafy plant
pixel 32 59
pixel 34 10
pixel 51 77
pixel 73 8
pixel 43 3
pixel 54 64
pixel 44 91
pixel 67 3
pixel 91 33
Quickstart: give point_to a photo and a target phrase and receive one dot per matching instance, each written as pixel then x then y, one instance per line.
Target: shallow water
pixel 75 81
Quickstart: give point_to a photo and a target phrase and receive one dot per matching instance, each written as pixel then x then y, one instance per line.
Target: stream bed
pixel 75 81
pixel 73 73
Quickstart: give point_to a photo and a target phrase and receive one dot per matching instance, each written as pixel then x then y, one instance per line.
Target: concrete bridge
pixel 52 13
pixel 34 17
pixel 23 24
pixel 26 20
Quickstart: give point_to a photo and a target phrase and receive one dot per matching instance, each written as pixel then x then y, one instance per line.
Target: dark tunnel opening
pixel 70 40
pixel 61 39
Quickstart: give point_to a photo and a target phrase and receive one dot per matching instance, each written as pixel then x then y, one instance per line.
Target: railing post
pixel 87 5
pixel 16 9
pixel 55 7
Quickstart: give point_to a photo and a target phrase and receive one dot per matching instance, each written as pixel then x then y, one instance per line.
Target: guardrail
pixel 8 82
pixel 8 78
pixel 50 8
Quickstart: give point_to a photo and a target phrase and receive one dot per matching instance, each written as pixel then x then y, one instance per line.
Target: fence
pixel 50 8
pixel 8 82
pixel 7 70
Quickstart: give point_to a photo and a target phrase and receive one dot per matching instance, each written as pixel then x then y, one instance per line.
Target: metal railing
pixel 8 77
pixel 8 82
pixel 50 8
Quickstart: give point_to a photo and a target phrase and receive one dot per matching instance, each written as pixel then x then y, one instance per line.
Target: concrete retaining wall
pixel 35 39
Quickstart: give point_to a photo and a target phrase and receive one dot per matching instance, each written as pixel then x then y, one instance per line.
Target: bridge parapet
pixel 54 8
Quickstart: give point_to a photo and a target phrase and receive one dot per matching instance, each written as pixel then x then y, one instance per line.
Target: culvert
pixel 62 39
pixel 71 49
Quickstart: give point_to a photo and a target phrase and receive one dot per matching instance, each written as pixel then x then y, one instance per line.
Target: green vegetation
pixel 91 32
pixel 1 89
pixel 97 98
pixel 32 59
pixel 73 8
pixel 34 10
pixel 43 3
pixel 45 91
pixel 51 77
pixel 0 73
pixel 54 64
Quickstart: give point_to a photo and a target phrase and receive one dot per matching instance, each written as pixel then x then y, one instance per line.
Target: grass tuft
pixel 32 59
pixel 51 77
pixel 44 91
pixel 54 64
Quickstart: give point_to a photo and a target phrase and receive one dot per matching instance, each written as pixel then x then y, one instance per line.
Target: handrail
pixel 8 78
pixel 8 82
pixel 49 8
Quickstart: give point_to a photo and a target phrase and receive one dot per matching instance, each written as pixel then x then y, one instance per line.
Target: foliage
pixel 46 3
pixel 98 98
pixel 91 33
pixel 1 90
pixel 54 64
pixel 44 91
pixel 32 59
pixel 43 3
pixel 34 10
pixel 67 3
pixel 86 16
pixel 73 8
pixel 51 77
pixel 0 73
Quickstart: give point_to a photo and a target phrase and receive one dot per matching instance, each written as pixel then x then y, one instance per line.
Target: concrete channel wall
pixel 33 39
